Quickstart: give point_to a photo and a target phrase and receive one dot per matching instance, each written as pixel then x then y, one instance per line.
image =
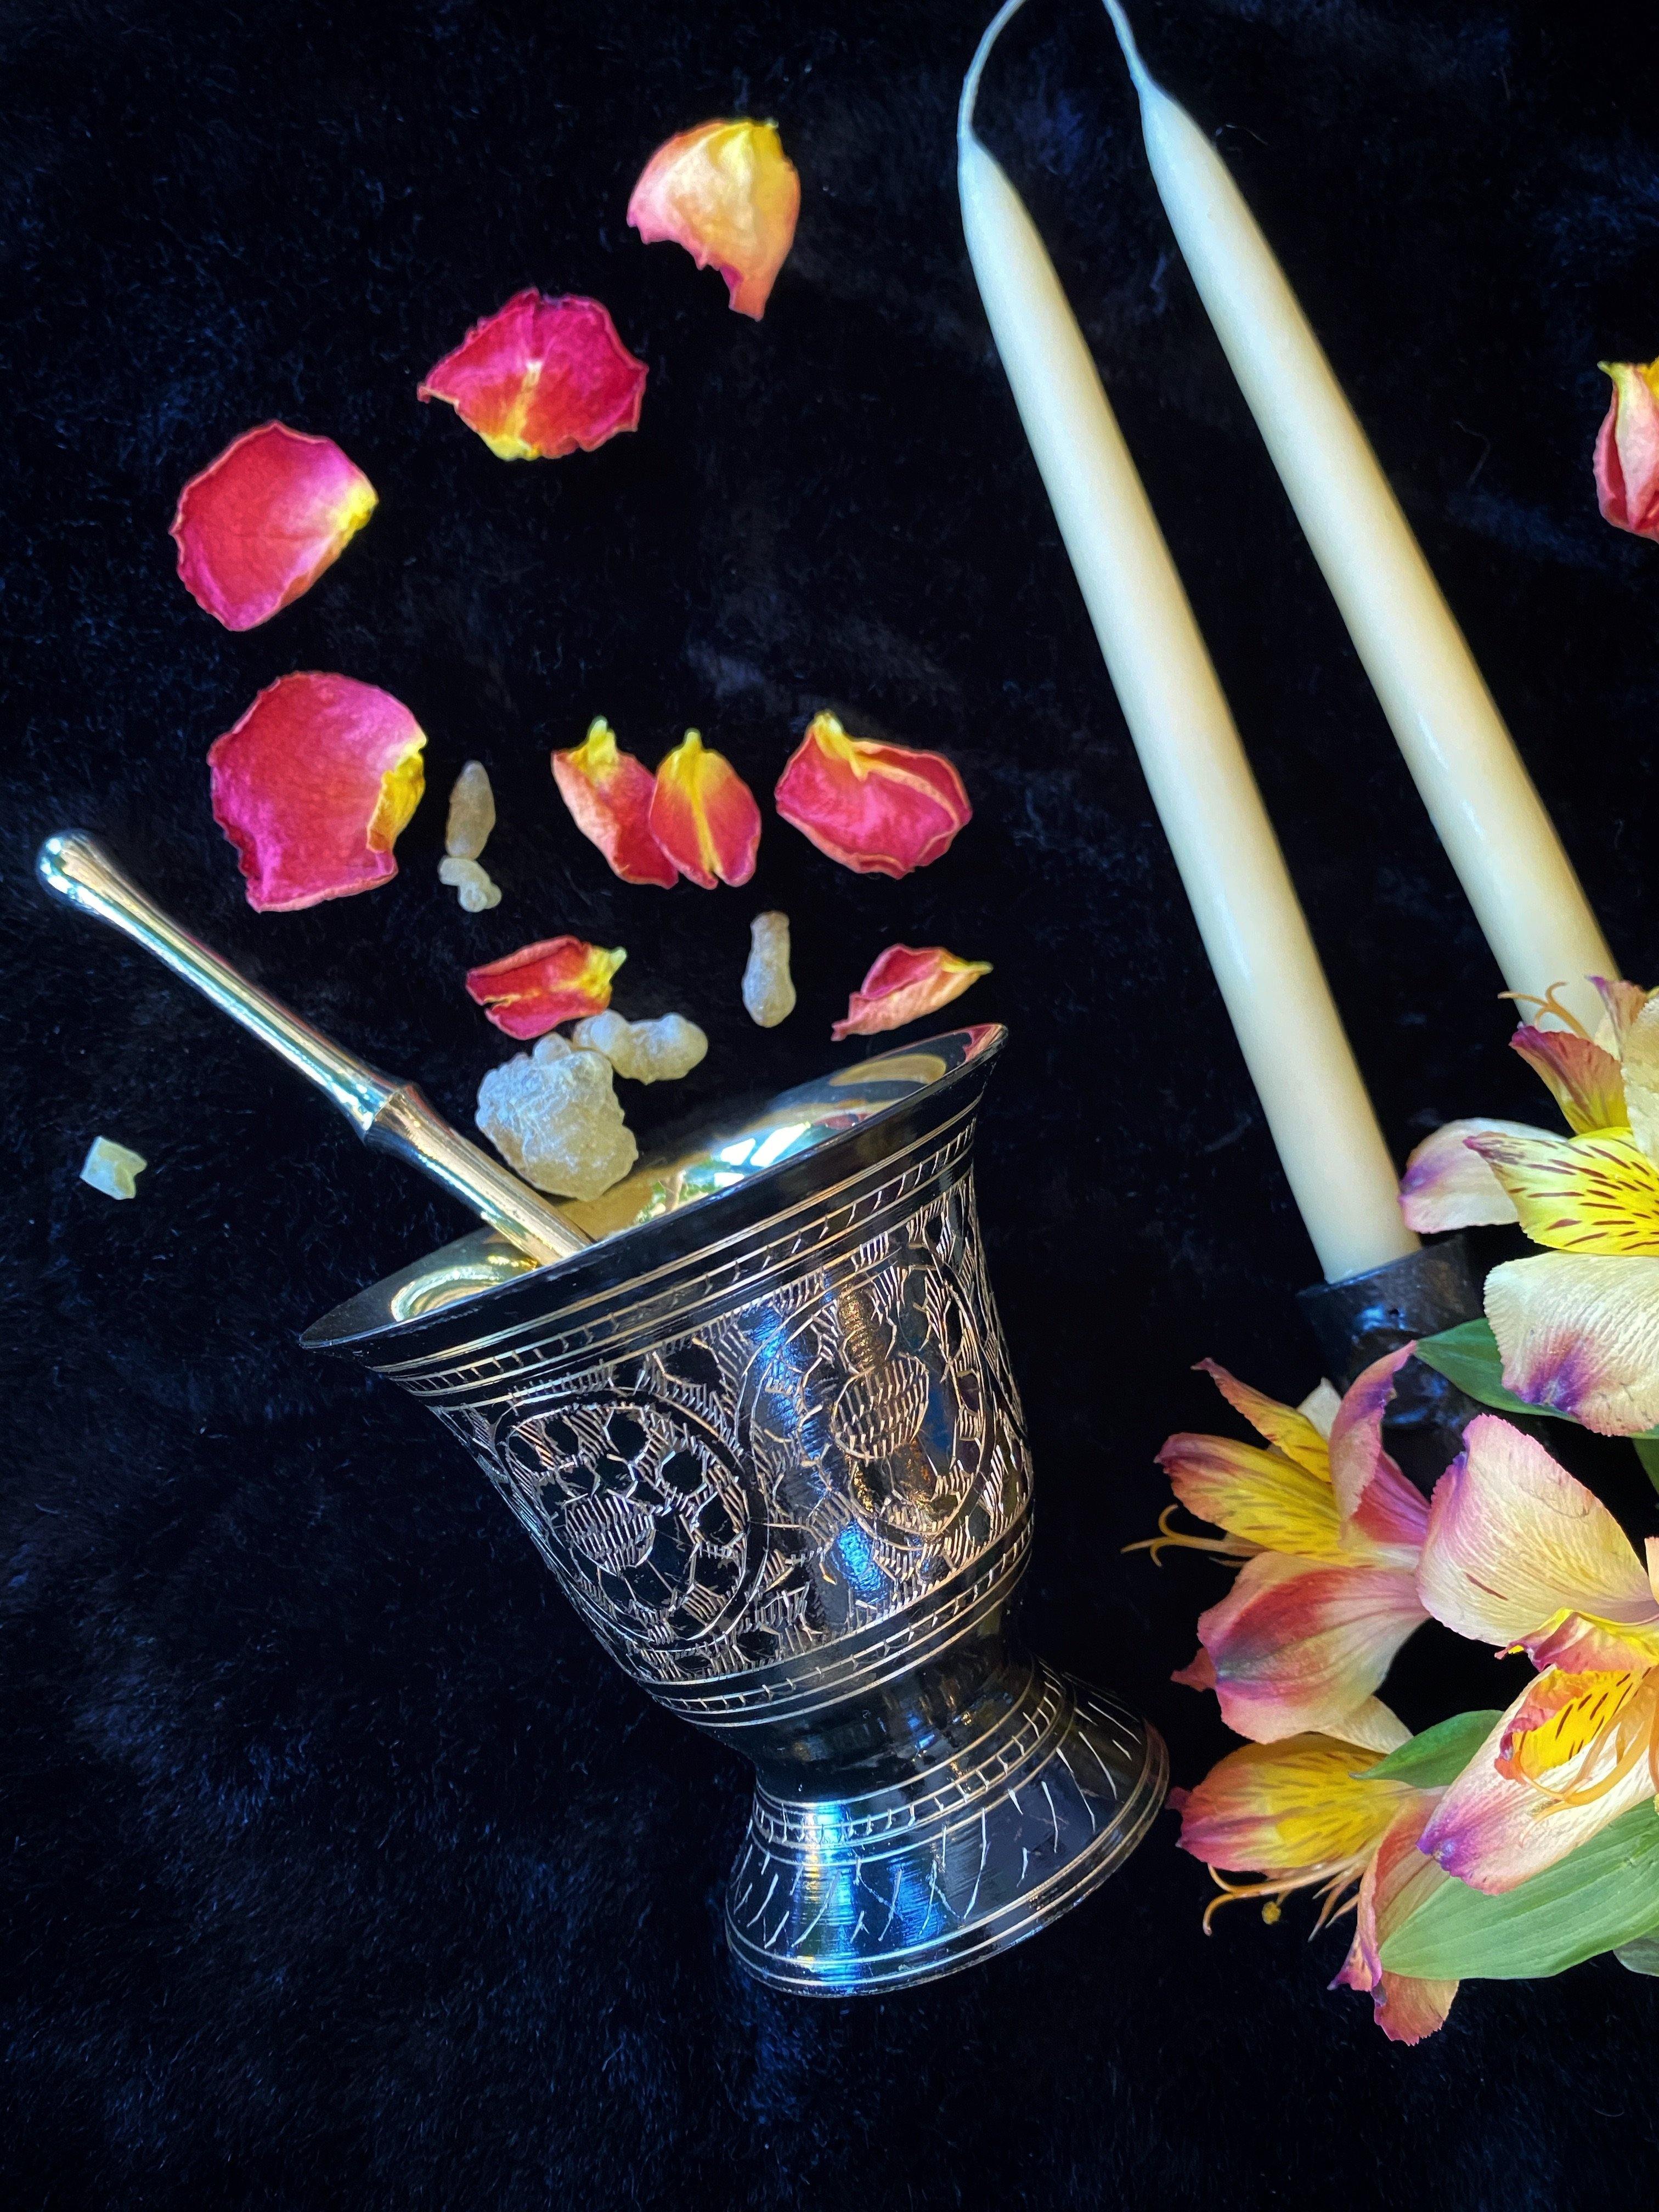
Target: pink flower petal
pixel 703 815
pixel 729 195
pixel 1398 1881
pixel 558 979
pixel 1388 1513
pixel 1447 1186
pixel 879 809
pixel 1518 1552
pixel 904 984
pixel 608 794
pixel 312 786
pixel 1627 449
pixel 1583 1078
pixel 260 524
pixel 1298 1643
pixel 541 377
pixel 1580 1333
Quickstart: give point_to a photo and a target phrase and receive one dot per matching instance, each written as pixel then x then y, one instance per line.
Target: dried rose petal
pixel 1627 449
pixel 608 794
pixel 703 815
pixel 312 786
pixel 729 194
pixel 903 985
pixel 541 985
pixel 259 525
pixel 541 377
pixel 881 810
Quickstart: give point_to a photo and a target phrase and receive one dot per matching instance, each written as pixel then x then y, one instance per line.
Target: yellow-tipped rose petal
pixel 703 815
pixel 729 194
pixel 902 985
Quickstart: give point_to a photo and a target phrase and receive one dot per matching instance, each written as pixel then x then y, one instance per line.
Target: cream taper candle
pixel 1299 1059
pixel 1491 822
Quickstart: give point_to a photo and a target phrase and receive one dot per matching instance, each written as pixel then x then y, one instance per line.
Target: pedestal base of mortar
pixel 913 1830
pixel 766 1435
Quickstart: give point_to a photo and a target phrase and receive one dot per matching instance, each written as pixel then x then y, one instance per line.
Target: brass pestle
pixel 393 1116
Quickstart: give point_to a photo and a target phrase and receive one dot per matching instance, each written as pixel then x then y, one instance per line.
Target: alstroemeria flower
pixel 1577 1325
pixel 902 985
pixel 312 786
pixel 703 815
pixel 541 377
pixel 260 524
pixel 608 794
pixel 1328 1530
pixel 1299 1813
pixel 1523 1557
pixel 729 194
pixel 880 809
pixel 1627 449
pixel 558 979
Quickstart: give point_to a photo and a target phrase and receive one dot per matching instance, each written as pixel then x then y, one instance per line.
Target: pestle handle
pixel 390 1115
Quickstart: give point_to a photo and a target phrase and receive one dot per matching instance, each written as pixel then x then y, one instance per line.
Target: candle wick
pixel 994 31
pixel 1140 75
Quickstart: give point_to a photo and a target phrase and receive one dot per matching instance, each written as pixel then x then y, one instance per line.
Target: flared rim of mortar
pixel 737 1173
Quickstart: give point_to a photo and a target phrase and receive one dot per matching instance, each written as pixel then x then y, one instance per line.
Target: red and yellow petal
pixel 1287 1427
pixel 1261 1495
pixel 703 815
pixel 1595 1194
pixel 880 809
pixel 1382 1514
pixel 1399 1881
pixel 1298 1643
pixel 1627 449
pixel 729 194
pixel 541 377
pixel 902 985
pixel 1584 1077
pixel 312 786
pixel 260 524
pixel 608 794
pixel 1290 1809
pixel 558 979
pixel 1517 1551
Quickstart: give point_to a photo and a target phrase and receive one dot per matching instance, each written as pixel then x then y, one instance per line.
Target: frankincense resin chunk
pixel 769 991
pixel 471 813
pixel 112 1167
pixel 645 1052
pixel 553 1115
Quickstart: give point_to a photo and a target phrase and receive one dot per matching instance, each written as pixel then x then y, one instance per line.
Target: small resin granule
pixel 552 1114
pixel 645 1052
pixel 471 885
pixel 112 1169
pixel 768 994
pixel 471 814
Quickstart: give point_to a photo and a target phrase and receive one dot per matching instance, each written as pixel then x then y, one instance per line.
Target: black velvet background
pixel 340 1867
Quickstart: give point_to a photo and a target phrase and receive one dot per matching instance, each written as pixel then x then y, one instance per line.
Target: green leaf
pixel 1468 1356
pixel 1647 1451
pixel 1641 1956
pixel 1604 1894
pixel 1436 1757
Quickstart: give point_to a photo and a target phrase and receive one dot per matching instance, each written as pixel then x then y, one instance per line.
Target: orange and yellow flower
pixel 1328 1530
pixel 1520 1555
pixel 1579 1324
pixel 1299 1813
